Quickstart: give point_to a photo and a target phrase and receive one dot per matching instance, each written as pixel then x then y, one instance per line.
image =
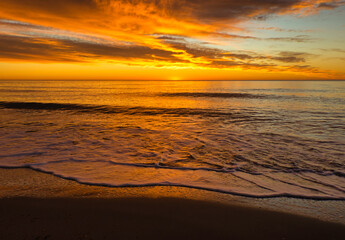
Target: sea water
pixel 250 138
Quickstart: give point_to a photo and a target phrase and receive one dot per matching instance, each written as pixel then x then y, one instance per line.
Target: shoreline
pixel 214 190
pixel 29 183
pixel 44 206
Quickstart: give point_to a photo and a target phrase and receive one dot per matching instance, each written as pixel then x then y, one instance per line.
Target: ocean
pixel 260 139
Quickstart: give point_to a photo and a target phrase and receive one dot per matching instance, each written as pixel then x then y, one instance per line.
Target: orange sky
pixel 172 39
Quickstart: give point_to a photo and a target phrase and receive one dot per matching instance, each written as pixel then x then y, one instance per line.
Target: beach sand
pixel 35 205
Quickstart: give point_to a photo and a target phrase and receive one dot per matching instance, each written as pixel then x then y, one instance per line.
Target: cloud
pixel 138 20
pixel 338 50
pixel 29 42
pixel 292 57
pixel 218 57
pixel 58 50
pixel 17 28
pixel 299 38
pixel 155 32
pixel 16 24
pixel 330 5
pixel 21 48
pixel 158 16
pixel 286 30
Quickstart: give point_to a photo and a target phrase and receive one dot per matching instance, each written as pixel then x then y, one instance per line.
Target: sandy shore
pixel 145 218
pixel 34 205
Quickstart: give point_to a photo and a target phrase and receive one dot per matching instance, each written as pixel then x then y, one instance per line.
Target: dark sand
pixel 40 206
pixel 29 218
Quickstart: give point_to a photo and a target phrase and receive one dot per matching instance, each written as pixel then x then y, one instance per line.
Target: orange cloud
pixel 161 33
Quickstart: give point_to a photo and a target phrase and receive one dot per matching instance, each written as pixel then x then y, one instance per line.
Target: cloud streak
pixel 193 55
pixel 184 33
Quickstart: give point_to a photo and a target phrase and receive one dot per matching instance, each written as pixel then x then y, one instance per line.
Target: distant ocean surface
pixel 248 138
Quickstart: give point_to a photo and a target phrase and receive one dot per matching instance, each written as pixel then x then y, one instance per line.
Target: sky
pixel 172 39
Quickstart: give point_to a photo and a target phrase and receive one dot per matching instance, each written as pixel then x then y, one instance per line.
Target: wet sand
pixel 40 206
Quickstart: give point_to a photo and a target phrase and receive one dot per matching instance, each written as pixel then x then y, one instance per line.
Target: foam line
pixel 166 184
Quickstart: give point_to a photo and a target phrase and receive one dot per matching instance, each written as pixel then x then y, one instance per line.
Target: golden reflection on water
pixel 172 135
pixel 149 93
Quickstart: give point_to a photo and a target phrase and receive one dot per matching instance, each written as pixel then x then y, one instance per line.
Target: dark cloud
pixel 211 10
pixel 327 5
pixel 201 10
pixel 331 5
pixel 286 30
pixel 197 50
pixel 233 58
pixel 227 64
pixel 240 56
pixel 305 68
pixel 299 38
pixel 23 48
pixel 70 50
pixel 57 50
pixel 162 32
pixel 230 9
pixel 171 38
pixel 67 8
pixel 291 57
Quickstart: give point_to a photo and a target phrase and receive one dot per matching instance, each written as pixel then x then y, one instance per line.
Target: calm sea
pixel 250 138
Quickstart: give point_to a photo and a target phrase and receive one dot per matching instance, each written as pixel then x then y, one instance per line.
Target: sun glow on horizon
pixel 172 39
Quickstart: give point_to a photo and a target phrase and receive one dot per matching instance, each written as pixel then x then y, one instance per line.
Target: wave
pixel 47 106
pixel 254 179
pixel 261 96
pixel 182 168
pixel 169 184
pixel 107 109
pixel 288 90
pixel 215 95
